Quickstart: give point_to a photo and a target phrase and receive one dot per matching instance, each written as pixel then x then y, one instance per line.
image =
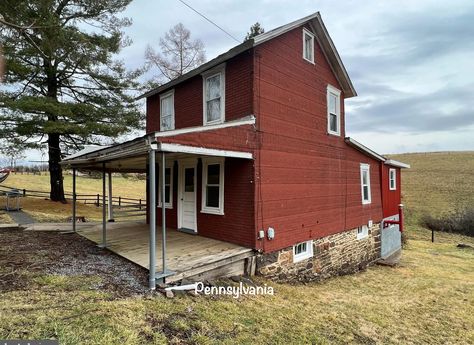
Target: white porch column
pixel 152 219
pixel 110 200
pixel 104 211
pixel 74 199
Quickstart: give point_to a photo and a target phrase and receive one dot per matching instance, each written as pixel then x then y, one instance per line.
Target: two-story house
pixel 256 154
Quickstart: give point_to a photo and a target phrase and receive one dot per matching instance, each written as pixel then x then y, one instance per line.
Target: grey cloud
pixel 415 113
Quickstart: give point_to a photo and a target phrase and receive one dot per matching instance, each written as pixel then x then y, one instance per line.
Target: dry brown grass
pixel 44 210
pixel 437 182
pixel 5 218
pixel 125 187
pixel 429 299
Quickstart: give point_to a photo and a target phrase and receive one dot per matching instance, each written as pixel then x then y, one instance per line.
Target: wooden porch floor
pixel 187 255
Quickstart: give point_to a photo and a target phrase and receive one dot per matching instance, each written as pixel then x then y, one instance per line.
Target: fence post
pixel 120 201
pixel 24 192
pixel 140 205
pixel 98 200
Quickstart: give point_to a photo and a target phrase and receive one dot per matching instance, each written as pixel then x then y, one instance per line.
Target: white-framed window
pixel 213 186
pixel 308 46
pixel 334 110
pixel 362 232
pixel 302 251
pixel 168 186
pixel 365 183
pixel 392 179
pixel 214 95
pixel 167 111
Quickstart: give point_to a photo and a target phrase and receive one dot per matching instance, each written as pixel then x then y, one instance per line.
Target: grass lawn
pixel 4 218
pixel 131 187
pixel 429 299
pixel 47 211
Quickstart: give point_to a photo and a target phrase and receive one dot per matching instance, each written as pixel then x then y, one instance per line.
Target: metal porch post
pixel 104 213
pixel 74 199
pixel 110 206
pixel 163 211
pixel 152 209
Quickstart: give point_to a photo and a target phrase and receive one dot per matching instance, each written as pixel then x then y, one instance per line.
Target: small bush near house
pixel 460 221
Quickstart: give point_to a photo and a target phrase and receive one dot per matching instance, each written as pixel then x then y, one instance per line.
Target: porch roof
pixel 132 155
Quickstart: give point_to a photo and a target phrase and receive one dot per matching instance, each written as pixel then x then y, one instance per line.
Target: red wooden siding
pixel 188 96
pixel 390 198
pixel 237 223
pixel 309 180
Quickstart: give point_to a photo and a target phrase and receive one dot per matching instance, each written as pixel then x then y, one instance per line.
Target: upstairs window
pixel 308 46
pixel 365 183
pixel 213 186
pixel 302 251
pixel 334 110
pixel 214 96
pixel 392 179
pixel 167 111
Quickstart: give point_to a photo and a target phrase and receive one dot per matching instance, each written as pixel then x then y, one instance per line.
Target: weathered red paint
pixel 390 198
pixel 303 182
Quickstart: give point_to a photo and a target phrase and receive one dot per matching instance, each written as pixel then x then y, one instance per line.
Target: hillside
pixel 437 181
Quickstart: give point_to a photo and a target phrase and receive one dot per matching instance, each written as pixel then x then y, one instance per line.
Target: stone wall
pixel 333 255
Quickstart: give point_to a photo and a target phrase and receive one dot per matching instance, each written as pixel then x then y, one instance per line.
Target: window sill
pixel 392 188
pixel 170 207
pixel 336 134
pixel 217 212
pixel 311 62
pixel 366 202
pixel 301 257
pixel 215 122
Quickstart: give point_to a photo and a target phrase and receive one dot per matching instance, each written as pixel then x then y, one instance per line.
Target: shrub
pixel 460 221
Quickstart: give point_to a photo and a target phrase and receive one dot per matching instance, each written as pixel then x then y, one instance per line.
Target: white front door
pixel 187 198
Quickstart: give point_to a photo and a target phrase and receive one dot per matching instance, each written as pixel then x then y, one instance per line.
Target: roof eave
pixel 329 50
pixel 197 71
pixel 364 149
pixel 397 164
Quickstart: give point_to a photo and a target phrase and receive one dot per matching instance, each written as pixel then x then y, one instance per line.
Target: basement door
pixel 187 197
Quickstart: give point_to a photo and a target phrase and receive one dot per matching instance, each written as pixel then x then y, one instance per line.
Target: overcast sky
pixel 411 62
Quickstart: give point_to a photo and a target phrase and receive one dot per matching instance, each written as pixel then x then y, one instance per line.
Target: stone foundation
pixel 333 255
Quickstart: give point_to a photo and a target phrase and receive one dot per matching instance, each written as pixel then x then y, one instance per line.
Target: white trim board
pixel 249 120
pixel 178 148
pixel 397 164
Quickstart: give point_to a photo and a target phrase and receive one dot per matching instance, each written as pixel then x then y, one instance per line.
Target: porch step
pixel 226 267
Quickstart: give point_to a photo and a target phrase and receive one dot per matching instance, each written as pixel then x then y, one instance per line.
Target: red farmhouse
pixel 256 154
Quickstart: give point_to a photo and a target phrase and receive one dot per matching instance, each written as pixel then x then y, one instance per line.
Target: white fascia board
pixel 397 164
pixel 247 121
pixel 178 148
pixel 365 149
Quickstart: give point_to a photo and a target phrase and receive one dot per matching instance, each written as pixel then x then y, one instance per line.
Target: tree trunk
pixel 55 170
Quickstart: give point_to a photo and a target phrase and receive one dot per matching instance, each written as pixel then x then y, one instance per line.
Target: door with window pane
pixel 187 204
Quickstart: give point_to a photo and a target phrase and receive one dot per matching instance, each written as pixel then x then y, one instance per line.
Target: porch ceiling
pixel 132 156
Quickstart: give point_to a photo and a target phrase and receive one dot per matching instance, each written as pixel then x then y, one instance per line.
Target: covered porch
pixel 169 253
pixel 188 256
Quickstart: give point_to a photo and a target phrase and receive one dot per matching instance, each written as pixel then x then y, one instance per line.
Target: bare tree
pixel 178 53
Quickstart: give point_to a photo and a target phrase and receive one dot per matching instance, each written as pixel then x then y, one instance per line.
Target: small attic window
pixel 308 46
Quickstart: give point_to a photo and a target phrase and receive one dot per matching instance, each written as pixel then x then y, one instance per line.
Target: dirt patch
pixel 25 255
